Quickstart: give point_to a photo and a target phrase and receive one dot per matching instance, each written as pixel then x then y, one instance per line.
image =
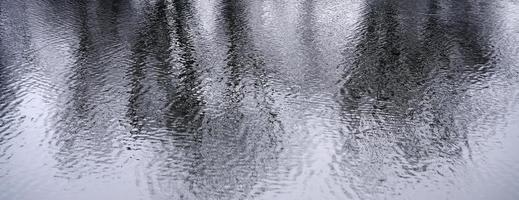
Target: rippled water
pixel 267 99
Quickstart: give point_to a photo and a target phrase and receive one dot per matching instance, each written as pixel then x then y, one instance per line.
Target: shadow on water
pixel 404 94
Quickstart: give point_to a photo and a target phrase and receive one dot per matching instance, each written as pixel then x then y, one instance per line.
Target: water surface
pixel 267 99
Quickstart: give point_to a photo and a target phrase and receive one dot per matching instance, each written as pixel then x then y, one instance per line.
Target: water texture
pixel 266 99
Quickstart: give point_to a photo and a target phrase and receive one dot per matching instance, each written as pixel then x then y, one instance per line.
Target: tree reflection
pixel 15 40
pixel 85 144
pixel 238 143
pixel 403 92
pixel 151 55
pixel 220 153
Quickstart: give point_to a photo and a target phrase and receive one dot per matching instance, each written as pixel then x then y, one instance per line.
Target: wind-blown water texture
pixel 268 99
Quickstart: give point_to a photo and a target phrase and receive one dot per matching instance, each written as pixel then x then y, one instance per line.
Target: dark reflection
pixel 308 38
pixel 85 141
pixel 220 153
pixel 185 104
pixel 6 99
pixel 14 41
pixel 165 103
pixel 150 66
pixel 239 142
pixel 402 96
pixel 473 39
pixel 185 115
pixel 236 99
pixel 15 48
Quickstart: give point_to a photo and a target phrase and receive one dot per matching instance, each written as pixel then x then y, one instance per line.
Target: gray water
pixel 263 99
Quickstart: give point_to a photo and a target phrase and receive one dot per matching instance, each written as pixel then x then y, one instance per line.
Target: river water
pixel 266 99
